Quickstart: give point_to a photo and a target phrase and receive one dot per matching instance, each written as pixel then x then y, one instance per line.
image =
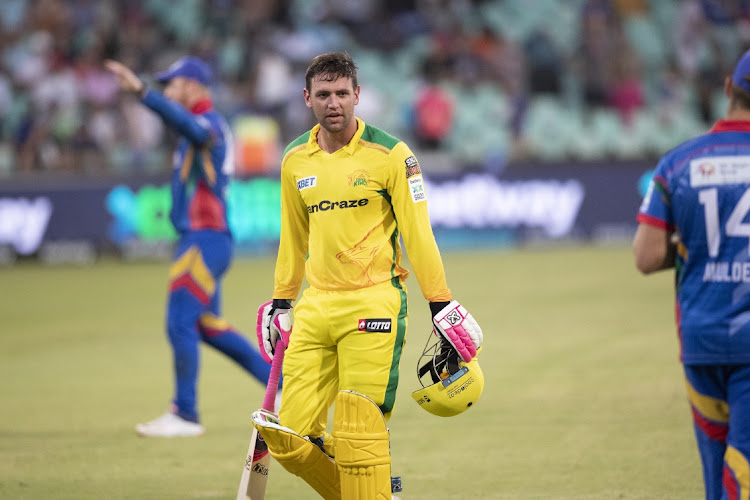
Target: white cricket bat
pixel 255 474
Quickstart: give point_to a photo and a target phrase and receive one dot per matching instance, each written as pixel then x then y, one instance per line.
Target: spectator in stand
pixel 505 63
pixel 714 67
pixel 601 39
pixel 545 64
pixel 626 92
pixel 41 41
pixel 724 12
pixel 690 37
pixel 631 7
pixel 433 109
pixel 672 94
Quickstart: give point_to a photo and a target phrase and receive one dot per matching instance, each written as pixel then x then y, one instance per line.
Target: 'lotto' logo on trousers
pixel 375 325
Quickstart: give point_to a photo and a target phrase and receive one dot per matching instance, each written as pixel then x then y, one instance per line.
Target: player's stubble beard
pixel 335 128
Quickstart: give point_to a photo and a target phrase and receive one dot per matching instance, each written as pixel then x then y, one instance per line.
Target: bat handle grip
pixel 273 377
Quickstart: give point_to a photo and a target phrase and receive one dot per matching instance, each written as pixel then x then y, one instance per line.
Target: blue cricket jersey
pixel 202 166
pixel 701 192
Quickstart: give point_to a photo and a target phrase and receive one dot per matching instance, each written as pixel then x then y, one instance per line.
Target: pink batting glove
pixel 459 328
pixel 273 324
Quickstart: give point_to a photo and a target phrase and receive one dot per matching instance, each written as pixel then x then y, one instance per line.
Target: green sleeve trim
pixel 299 141
pixel 377 136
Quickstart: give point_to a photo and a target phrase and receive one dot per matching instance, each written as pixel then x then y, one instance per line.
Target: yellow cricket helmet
pixel 449 385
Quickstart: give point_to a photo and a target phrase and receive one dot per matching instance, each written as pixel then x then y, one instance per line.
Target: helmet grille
pixel 439 359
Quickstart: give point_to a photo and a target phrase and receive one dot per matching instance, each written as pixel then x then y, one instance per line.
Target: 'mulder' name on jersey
pixel 326 205
pixel 727 272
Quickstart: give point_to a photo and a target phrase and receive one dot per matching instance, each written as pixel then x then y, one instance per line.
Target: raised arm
pixel 194 128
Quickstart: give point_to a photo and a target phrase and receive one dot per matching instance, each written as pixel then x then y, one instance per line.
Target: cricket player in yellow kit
pixel 348 190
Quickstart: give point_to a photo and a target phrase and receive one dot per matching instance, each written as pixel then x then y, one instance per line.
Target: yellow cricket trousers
pixel 342 340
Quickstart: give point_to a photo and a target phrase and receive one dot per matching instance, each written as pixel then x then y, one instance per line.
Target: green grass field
pixel 584 395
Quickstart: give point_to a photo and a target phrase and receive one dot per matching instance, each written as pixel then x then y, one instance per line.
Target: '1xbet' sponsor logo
pixel 307 182
pixel 375 325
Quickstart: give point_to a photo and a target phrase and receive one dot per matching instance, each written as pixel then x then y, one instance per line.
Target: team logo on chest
pixel 359 178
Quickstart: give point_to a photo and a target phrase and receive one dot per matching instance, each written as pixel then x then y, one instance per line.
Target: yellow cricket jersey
pixel 342 213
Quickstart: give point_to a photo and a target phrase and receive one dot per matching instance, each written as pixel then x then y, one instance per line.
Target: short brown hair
pixel 740 96
pixel 330 67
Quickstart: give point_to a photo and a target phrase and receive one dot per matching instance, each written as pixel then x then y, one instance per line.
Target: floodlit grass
pixel 584 396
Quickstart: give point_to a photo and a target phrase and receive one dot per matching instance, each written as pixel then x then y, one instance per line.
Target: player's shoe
pixel 170 425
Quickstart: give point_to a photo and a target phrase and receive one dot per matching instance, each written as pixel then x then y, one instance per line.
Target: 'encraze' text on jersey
pixel 342 214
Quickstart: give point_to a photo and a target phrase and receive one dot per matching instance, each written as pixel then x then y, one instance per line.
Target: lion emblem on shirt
pixel 359 178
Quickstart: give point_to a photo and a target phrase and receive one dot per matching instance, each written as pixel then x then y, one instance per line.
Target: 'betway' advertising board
pixel 541 202
pixel 24 222
pixel 482 201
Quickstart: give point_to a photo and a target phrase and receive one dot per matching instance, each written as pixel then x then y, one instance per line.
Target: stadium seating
pixel 490 117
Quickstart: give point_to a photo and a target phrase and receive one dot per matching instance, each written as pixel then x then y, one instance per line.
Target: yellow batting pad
pixel 302 458
pixel 361 441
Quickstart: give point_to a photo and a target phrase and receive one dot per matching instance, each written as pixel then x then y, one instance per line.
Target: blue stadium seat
pixel 606 129
pixel 548 128
pixel 634 139
pixel 645 37
pixel 480 123
pixel 583 143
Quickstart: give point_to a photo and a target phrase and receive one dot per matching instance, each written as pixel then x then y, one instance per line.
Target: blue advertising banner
pixel 525 203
